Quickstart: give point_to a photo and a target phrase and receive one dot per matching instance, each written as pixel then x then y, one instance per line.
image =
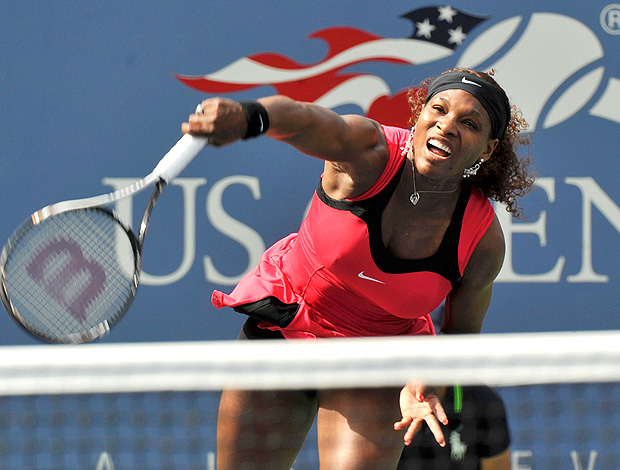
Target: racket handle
pixel 179 156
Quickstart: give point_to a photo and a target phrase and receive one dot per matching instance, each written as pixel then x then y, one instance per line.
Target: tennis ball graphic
pixel 542 70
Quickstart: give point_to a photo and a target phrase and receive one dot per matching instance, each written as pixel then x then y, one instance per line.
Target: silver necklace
pixel 415 195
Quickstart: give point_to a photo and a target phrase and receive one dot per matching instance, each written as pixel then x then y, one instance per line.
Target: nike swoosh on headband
pixel 469 82
pixel 361 275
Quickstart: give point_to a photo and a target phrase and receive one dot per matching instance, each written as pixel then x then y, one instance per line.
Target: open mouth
pixel 439 148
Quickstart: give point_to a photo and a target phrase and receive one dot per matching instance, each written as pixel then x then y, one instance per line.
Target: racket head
pixel 70 277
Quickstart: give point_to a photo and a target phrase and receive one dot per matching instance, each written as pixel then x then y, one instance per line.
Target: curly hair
pixel 505 176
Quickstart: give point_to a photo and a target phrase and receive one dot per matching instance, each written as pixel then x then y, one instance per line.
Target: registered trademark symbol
pixel 610 18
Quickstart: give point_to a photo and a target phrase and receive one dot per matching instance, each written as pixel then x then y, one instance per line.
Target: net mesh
pixel 154 406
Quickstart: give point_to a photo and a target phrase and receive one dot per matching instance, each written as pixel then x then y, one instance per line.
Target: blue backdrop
pixel 94 93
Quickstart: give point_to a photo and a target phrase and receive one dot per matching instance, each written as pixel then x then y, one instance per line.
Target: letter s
pixel 241 233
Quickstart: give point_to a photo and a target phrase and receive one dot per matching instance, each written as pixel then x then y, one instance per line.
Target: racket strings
pixel 70 273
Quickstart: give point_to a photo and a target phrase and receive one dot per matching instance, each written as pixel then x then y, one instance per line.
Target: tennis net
pixel 154 405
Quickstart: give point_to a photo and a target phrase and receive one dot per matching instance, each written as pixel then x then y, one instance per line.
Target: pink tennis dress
pixel 335 278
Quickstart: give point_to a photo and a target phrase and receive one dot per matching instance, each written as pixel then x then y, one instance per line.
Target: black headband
pixel 489 96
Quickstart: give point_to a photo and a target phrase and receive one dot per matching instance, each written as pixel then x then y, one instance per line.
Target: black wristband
pixel 257 116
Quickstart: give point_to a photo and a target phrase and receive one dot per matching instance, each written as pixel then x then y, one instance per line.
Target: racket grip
pixel 179 156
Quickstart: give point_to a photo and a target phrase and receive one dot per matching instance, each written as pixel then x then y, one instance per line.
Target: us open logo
pixel 568 71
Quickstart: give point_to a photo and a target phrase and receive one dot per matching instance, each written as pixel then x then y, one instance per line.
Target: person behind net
pixel 477 434
pixel 400 221
pixel 478 437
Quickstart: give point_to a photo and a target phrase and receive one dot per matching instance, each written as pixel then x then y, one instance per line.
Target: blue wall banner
pixel 94 93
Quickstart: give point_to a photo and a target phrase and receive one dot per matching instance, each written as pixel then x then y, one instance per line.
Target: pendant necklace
pixel 415 195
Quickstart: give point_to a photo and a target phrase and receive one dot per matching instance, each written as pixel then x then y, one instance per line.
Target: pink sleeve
pixel 396 140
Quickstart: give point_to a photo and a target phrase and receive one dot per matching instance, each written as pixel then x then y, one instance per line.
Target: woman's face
pixel 452 133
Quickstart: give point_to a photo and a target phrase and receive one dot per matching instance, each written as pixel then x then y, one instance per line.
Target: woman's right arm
pixel 353 146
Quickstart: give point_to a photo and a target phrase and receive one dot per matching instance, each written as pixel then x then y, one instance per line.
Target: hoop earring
pixel 473 170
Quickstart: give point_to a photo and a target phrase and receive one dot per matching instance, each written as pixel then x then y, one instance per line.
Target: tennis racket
pixel 71 271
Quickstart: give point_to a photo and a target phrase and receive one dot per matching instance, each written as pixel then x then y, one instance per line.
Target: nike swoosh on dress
pixel 361 275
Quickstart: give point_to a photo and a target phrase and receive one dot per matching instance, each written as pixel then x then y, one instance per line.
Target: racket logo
pixel 74 282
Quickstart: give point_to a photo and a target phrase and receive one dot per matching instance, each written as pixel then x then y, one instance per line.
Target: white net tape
pixel 492 359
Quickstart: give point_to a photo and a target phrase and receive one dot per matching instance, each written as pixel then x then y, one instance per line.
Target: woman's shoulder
pixel 395 135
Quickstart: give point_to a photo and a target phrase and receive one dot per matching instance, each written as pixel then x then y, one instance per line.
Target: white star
pixel 457 36
pixel 446 13
pixel 424 29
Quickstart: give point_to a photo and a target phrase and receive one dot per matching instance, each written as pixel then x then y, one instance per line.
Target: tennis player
pixel 400 221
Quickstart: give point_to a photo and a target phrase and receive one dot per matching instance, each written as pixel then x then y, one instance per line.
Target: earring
pixel 409 145
pixel 472 171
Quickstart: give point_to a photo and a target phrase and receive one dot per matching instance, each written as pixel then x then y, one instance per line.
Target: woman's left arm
pixel 466 307
pixel 468 302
